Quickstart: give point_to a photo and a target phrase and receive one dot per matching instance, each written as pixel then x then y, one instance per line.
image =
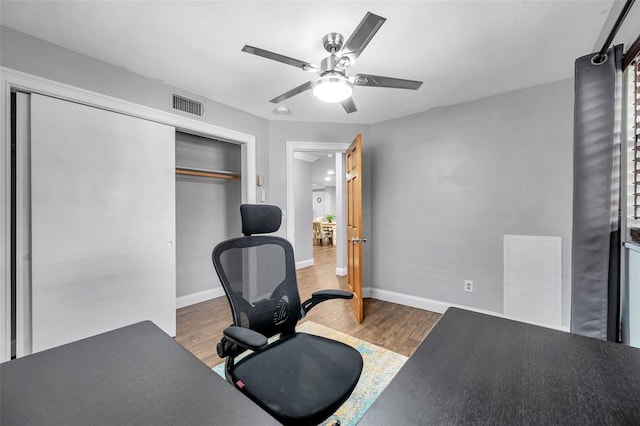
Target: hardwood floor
pixel 395 327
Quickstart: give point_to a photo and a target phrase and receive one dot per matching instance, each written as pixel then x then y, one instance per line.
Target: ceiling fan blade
pixel 380 81
pixel 349 105
pixel 303 87
pixel 362 35
pixel 305 66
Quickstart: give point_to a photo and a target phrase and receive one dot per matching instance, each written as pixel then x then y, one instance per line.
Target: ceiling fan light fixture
pixel 333 87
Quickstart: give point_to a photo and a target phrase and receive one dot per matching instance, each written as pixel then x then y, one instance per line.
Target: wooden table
pixel 323 230
pixel 476 369
pixel 136 375
pixel 330 228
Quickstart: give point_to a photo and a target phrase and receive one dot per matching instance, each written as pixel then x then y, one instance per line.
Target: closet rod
pixel 220 174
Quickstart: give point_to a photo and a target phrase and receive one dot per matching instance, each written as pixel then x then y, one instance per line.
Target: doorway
pixel 302 229
pixel 323 203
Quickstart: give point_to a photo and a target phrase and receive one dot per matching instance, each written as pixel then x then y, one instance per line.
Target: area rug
pixel 380 366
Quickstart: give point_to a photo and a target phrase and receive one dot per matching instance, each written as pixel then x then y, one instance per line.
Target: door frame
pixel 296 146
pixel 17 80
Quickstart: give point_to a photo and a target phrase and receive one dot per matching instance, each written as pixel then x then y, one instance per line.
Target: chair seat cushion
pixel 301 379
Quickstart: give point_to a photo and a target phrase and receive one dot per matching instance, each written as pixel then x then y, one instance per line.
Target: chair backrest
pixel 258 274
pixel 317 229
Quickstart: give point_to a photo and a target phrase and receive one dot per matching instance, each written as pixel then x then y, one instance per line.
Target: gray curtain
pixel 595 289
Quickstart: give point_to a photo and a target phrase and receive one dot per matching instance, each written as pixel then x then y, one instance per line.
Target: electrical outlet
pixel 468 286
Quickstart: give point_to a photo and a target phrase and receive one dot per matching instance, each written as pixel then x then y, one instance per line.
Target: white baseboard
pixel 304 263
pixel 341 272
pixel 439 306
pixel 202 296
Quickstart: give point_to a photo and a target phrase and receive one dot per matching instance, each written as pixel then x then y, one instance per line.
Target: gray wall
pixel 304 213
pixel 198 208
pixel 34 56
pixel 207 210
pixel 282 131
pixel 439 188
pixel 448 184
pixel 38 57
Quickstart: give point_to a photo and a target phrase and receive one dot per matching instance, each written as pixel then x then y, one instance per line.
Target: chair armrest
pixel 321 296
pixel 239 337
pixel 245 337
pixel 332 294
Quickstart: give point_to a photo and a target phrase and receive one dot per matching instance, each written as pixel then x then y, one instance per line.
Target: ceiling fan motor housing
pixel 332 42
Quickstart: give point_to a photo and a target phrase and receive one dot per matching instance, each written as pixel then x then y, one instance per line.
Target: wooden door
pixel 354 225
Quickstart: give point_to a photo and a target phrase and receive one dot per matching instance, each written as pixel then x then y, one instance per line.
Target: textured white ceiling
pixel 462 50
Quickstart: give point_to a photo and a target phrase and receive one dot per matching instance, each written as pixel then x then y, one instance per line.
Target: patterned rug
pixel 380 366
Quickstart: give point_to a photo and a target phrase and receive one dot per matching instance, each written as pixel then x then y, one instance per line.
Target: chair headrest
pixel 260 218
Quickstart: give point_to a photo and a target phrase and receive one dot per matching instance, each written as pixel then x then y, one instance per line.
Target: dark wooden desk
pixel 136 375
pixel 475 369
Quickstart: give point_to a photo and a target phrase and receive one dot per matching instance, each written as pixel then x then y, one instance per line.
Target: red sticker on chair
pixel 239 384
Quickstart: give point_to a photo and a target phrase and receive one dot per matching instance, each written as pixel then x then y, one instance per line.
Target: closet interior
pixel 208 197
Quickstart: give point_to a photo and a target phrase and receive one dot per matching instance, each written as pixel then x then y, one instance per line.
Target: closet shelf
pixel 219 174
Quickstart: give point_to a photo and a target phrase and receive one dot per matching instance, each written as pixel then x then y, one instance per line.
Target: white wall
pixel 330 195
pixel 319 209
pixel 448 184
pixel 327 204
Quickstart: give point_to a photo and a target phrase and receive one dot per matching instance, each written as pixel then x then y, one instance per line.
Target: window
pixel 633 143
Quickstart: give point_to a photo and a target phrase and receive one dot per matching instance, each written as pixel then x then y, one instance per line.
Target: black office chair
pixel 299 378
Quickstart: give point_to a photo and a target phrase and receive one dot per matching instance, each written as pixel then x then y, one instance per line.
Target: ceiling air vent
pixel 187 105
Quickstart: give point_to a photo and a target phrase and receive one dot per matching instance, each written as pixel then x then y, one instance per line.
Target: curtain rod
pixel 601 56
pixel 632 52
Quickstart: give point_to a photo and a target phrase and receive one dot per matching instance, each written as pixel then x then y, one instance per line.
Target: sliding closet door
pixel 103 222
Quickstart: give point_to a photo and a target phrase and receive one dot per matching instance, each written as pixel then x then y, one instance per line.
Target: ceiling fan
pixel 333 84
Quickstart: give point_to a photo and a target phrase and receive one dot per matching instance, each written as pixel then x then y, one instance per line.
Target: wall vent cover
pixel 187 105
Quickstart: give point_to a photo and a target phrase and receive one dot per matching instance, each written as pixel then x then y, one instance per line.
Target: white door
pixel 103 222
